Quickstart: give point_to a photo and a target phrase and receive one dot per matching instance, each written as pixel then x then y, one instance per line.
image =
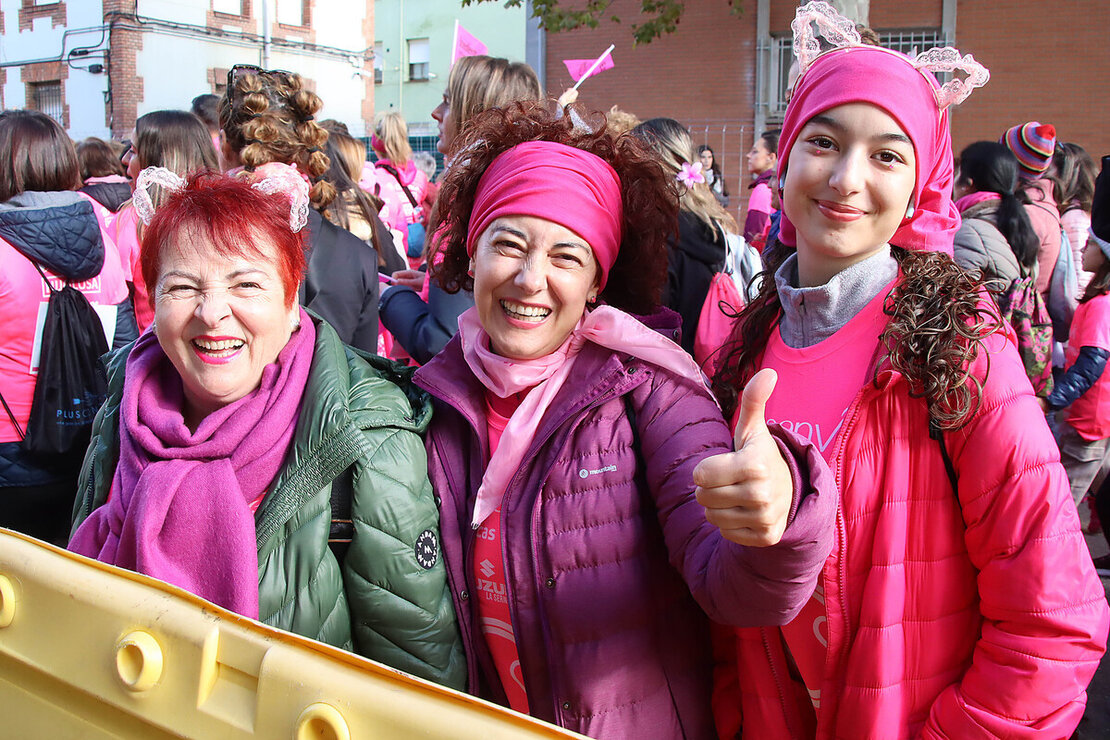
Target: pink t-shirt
pixel 760 199
pixel 1090 413
pixel 815 388
pixel 124 228
pixel 494 616
pixel 817 383
pixel 24 296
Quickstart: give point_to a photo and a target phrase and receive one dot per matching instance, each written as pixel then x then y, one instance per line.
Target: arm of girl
pixel 1043 611
pixel 1088 368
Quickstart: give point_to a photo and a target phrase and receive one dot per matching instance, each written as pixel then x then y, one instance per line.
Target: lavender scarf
pixel 179 506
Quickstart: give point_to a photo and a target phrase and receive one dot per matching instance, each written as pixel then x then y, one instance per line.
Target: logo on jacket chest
pixel 586 473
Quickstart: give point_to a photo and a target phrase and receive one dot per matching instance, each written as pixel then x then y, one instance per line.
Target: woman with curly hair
pixel 959 599
pixel 267 116
pixel 564 440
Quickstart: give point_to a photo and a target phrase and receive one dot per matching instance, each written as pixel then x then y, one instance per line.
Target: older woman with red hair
pixel 565 436
pixel 231 424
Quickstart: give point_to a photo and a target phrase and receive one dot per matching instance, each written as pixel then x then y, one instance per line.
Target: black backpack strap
pixel 397 177
pixel 11 416
pixel 7 409
pixel 342 527
pixel 937 433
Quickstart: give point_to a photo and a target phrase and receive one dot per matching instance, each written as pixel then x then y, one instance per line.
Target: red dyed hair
pixel 231 216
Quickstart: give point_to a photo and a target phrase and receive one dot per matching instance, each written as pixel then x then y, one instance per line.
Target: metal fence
pixel 730 142
pixel 418 144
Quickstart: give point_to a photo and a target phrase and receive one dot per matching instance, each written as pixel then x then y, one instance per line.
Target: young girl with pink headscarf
pixel 565 435
pixel 959 599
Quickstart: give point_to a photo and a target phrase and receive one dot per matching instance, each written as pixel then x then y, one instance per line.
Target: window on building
pixel 379 62
pixel 909 42
pixel 46 97
pixel 419 52
pixel 291 12
pixel 230 7
pixel 36 3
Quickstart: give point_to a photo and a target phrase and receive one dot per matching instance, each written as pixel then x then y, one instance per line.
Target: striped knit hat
pixel 1032 143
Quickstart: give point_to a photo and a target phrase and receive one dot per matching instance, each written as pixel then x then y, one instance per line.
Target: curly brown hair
pixel 267 116
pixel 939 317
pixel 650 199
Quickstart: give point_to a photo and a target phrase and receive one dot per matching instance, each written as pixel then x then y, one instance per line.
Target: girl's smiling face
pixel 849 180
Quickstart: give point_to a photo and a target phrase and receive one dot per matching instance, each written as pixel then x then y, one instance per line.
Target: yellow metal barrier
pixel 92 651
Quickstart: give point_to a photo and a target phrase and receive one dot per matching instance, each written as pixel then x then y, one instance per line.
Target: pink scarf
pixel 974 199
pixel 605 326
pixel 179 503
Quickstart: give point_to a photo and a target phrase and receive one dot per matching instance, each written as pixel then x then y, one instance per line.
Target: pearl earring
pixel 909 211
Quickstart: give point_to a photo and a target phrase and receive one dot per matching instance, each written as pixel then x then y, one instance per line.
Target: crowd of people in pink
pixel 554 428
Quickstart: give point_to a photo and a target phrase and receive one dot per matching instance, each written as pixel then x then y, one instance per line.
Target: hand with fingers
pixel 747 493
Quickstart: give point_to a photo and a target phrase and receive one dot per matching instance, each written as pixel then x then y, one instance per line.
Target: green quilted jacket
pixel 388 599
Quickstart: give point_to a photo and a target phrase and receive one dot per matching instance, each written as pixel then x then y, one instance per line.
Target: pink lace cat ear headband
pixel 273 178
pixel 817 20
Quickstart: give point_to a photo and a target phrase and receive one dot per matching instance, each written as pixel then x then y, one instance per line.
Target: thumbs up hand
pixel 747 493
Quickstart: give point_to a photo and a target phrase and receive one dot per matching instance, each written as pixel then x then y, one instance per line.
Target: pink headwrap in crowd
pixel 560 183
pixel 887 79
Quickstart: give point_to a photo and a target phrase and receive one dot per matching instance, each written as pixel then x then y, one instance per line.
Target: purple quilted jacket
pixel 604 544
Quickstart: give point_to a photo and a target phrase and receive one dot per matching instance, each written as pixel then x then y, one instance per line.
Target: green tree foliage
pixel 657 17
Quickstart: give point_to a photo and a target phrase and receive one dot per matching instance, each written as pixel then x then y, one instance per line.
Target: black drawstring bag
pixel 71 384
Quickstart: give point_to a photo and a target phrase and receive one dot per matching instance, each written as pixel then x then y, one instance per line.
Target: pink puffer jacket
pixel 947 618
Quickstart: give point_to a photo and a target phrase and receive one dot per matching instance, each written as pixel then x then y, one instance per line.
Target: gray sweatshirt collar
pixel 811 315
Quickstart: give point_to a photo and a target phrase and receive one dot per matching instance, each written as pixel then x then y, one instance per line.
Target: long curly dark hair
pixel 939 317
pixel 649 197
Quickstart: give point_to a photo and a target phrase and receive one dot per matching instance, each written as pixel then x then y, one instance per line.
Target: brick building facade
pixel 719 72
pixel 97 65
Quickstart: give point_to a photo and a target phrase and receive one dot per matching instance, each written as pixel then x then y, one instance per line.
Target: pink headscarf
pixel 560 183
pixel 884 78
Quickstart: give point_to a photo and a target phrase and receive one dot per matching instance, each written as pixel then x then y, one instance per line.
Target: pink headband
pixel 376 144
pixel 560 183
pixel 884 78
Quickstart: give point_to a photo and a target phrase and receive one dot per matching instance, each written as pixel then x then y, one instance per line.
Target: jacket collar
pixel 57 230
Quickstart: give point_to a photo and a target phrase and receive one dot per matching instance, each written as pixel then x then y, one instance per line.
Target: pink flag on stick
pixel 580 69
pixel 466 44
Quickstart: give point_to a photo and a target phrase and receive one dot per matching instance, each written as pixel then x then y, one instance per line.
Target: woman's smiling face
pixel 532 280
pixel 849 180
pixel 220 319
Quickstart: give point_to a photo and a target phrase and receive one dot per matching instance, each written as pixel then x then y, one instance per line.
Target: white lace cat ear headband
pixel 839 32
pixel 275 178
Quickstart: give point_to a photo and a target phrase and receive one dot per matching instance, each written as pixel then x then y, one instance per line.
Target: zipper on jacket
pixel 555 677
pixel 790 723
pixel 834 661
